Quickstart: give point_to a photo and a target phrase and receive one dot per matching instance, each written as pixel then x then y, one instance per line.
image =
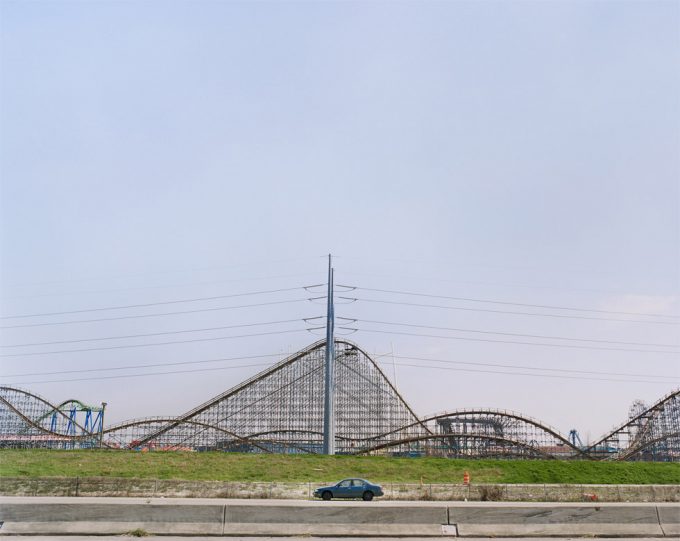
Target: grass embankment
pixel 315 468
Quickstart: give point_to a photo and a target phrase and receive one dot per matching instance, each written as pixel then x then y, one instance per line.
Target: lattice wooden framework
pixel 280 410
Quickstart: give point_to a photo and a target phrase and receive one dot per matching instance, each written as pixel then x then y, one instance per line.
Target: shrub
pixel 491 493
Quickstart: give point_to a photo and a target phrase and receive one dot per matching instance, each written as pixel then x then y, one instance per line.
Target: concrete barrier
pixel 68 516
pixel 669 519
pixel 112 516
pixel 71 517
pixel 564 520
pixel 335 519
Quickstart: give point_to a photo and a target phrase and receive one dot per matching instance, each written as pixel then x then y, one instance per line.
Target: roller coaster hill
pixel 281 410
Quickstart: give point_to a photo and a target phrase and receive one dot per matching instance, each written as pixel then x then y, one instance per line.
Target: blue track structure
pixel 280 410
pixel 74 411
pixel 574 438
pixel 28 420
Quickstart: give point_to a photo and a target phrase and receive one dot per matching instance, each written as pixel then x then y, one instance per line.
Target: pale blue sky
pixel 518 151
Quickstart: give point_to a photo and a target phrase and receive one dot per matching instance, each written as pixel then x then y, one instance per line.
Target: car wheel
pixel 327 495
pixel 368 496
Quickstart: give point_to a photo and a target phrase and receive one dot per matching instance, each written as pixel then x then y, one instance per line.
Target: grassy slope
pixel 237 467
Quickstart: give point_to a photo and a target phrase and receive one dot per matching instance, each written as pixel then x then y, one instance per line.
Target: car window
pixel 357 483
pixel 344 484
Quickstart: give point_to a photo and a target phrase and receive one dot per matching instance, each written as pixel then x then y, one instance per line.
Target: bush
pixel 491 493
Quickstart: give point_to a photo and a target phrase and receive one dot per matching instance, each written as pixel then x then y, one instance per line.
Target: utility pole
pixel 328 403
pixel 101 424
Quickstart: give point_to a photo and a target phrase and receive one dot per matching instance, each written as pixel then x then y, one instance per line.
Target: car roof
pixel 355 479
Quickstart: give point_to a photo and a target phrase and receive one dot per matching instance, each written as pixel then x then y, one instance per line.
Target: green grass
pixel 300 468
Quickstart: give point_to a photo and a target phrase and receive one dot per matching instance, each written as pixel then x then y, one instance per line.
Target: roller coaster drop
pixel 280 410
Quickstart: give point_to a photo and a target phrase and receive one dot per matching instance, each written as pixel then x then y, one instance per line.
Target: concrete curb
pixel 114 516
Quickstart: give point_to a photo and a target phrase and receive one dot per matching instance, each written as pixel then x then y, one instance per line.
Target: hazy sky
pixel 517 152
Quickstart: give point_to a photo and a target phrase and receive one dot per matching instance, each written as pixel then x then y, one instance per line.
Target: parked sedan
pixel 350 488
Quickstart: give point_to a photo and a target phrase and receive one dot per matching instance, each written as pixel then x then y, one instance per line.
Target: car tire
pixel 326 495
pixel 368 496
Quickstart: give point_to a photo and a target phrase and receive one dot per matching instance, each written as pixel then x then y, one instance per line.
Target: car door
pixel 357 488
pixel 343 489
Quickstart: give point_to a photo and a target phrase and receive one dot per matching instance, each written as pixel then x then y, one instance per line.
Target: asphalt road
pixel 306 538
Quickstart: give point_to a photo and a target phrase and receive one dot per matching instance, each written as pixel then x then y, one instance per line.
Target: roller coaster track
pixel 497 439
pixel 487 416
pixel 646 445
pixel 256 439
pixel 270 372
pixel 280 409
pixel 37 403
pixel 225 395
pixel 648 418
pixel 60 406
pixel 152 420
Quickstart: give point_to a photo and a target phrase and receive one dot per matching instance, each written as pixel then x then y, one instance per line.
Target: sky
pixel 515 164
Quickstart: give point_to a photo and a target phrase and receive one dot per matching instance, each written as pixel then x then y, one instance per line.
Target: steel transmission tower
pixel 328 413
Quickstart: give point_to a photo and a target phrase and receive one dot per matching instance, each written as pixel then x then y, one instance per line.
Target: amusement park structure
pixel 281 410
pixel 332 397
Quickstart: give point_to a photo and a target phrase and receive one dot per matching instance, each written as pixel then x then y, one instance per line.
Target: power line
pixel 145 335
pixel 168 286
pixel 137 366
pixel 143 375
pixel 153 315
pixel 448 262
pixel 521 367
pixel 488 310
pixel 398 364
pixel 150 345
pixel 268 262
pixel 524 374
pixel 541 336
pixel 145 305
pixel 428 279
pixel 526 305
pixel 277 354
pixel 487 340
